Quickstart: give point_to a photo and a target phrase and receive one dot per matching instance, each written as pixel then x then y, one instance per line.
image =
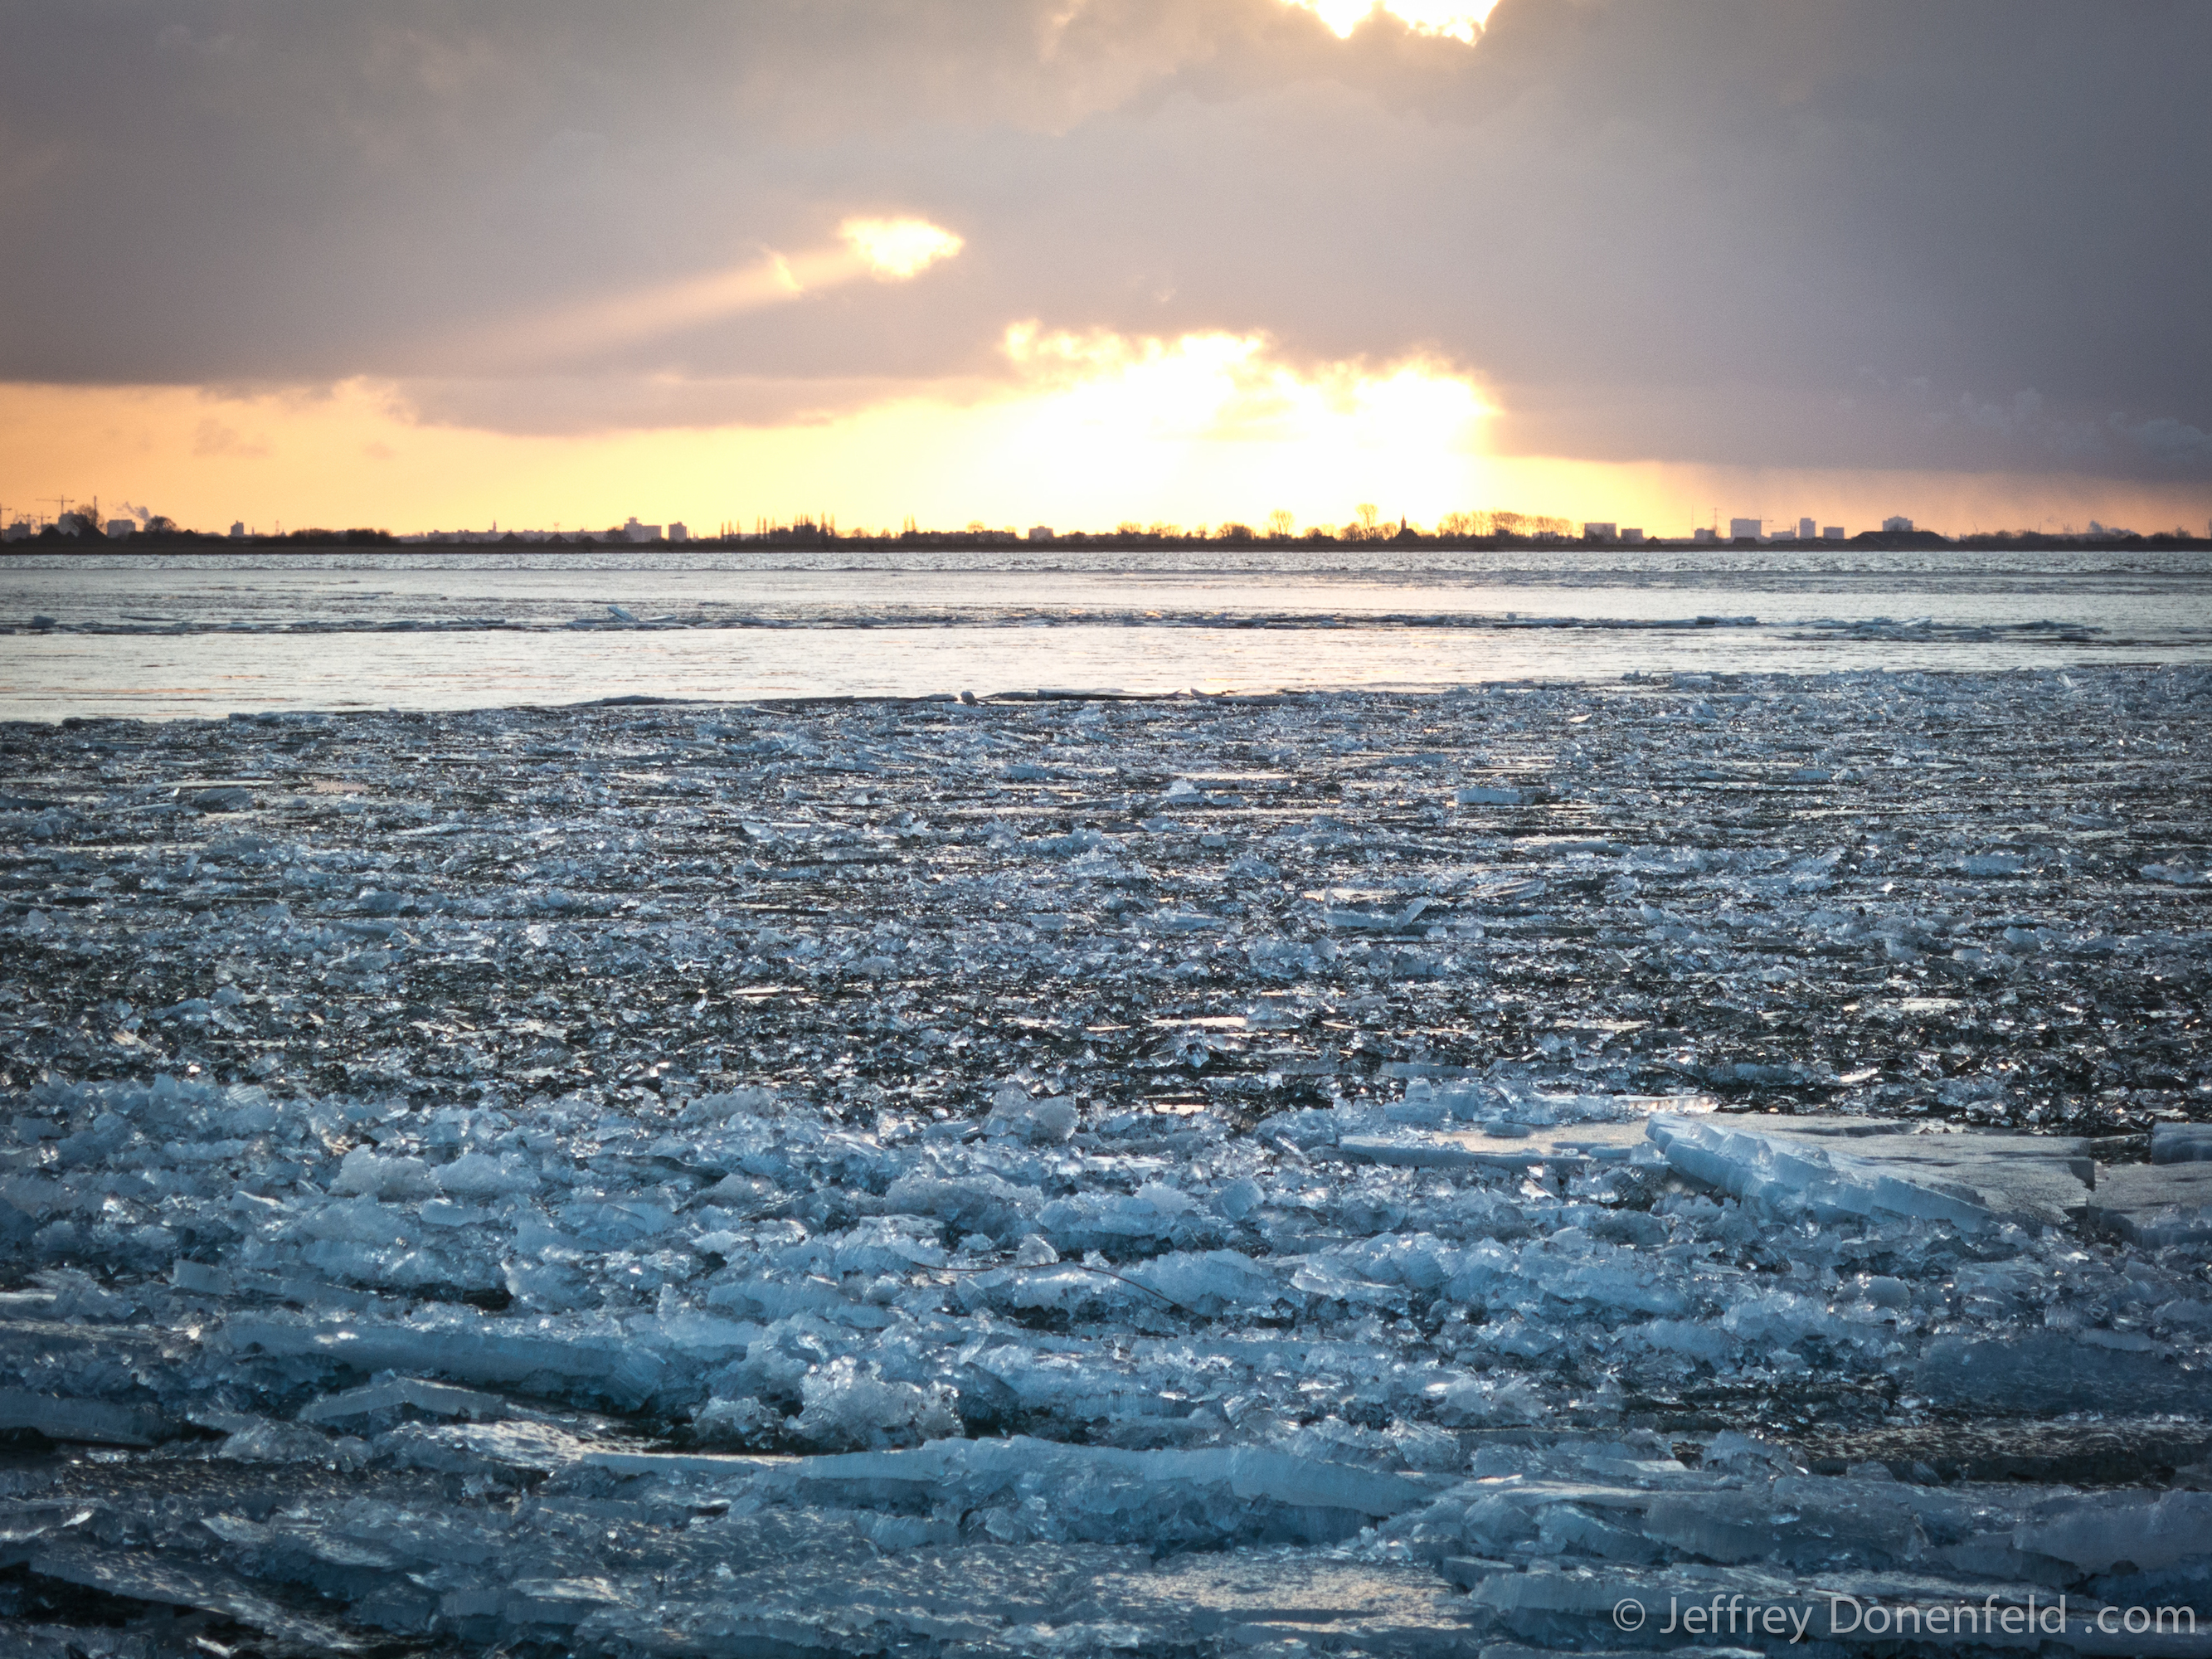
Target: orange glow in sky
pixel 1093 430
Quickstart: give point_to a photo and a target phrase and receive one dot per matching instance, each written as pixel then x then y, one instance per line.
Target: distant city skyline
pixel 1279 527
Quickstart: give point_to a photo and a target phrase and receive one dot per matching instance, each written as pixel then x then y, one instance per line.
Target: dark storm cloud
pixel 1867 232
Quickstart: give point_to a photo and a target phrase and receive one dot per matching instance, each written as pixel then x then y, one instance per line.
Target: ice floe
pixel 650 1181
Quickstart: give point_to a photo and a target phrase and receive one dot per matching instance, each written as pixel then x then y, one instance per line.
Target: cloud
pixel 213 439
pixel 889 250
pixel 896 249
pixel 1461 19
pixel 573 404
pixel 2186 448
pixel 1731 231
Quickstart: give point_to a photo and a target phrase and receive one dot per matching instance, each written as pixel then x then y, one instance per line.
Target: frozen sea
pixel 1387 1170
pixel 161 635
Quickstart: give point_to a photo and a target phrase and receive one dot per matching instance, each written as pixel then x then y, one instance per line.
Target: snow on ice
pixel 1061 1176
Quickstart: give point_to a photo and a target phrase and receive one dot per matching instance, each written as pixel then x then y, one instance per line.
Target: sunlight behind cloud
pixel 1155 427
pixel 1461 19
pixel 898 248
pixel 890 250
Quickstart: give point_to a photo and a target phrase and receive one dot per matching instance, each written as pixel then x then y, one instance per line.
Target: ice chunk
pixel 1488 1403
pixel 985 1204
pixel 1836 1167
pixel 1362 921
pixel 479 1174
pixel 2179 875
pixel 1013 1112
pixel 99 1421
pixel 1239 1198
pixel 1409 1152
pixel 1211 1283
pixel 2156 1204
pixel 481 1447
pixel 1250 1474
pixel 2050 1371
pixel 746 1422
pixel 1565 1530
pixel 849 1404
pixel 579 1362
pixel 364 1170
pixel 687 1331
pixel 2181 1143
pixel 389 1399
pixel 144 1576
pixel 290 1442
pixel 1802 1521
pixel 733 1104
pixel 2106 1528
pixel 1155 1215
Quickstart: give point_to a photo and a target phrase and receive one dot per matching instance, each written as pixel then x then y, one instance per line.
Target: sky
pixel 418 264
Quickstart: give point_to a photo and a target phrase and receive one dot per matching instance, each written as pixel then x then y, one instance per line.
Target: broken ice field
pixel 1365 1174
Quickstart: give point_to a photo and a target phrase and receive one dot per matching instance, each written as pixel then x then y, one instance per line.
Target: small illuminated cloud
pixel 1462 20
pixel 898 248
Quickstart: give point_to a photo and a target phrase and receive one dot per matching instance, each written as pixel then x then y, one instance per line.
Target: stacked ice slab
pixel 2167 1200
pixel 1833 1167
pixel 1830 1169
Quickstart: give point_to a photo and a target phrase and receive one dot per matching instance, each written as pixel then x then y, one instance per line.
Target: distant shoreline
pixel 380 543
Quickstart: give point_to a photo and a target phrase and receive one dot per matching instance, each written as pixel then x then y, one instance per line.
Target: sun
pixel 1461 19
